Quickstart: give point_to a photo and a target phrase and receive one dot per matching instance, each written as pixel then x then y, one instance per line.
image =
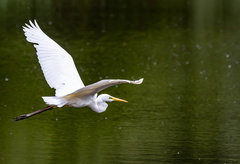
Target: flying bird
pixel 61 74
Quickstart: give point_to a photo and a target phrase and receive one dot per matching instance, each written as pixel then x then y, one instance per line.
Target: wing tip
pixel 31 25
pixel 139 81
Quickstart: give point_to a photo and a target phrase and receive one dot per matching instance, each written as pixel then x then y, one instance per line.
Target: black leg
pixel 22 117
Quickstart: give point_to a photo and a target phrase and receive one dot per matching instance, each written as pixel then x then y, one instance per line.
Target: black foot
pixel 22 117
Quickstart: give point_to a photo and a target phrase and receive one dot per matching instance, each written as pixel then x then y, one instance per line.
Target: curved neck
pixel 98 105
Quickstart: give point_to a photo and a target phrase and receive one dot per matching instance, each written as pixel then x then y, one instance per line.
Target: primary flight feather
pixel 61 74
pixel 57 65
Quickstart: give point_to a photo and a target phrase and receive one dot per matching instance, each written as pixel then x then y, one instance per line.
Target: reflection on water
pixel 186 111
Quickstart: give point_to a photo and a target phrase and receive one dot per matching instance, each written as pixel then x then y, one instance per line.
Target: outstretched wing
pixel 101 85
pixel 57 65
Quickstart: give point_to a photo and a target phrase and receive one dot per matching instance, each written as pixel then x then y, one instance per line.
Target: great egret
pixel 61 74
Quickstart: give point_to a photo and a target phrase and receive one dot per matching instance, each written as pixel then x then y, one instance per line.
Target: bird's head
pixel 101 102
pixel 109 98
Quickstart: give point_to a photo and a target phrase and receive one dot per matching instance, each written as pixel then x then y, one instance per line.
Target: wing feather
pixel 101 85
pixel 57 65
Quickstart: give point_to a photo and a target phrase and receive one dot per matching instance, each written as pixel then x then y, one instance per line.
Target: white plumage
pixel 61 74
pixel 57 65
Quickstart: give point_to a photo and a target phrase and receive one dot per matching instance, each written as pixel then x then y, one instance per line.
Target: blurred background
pixel 185 111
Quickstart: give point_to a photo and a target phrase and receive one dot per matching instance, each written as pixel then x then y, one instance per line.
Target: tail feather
pixel 56 101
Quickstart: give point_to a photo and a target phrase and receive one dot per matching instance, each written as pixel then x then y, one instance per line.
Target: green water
pixel 187 110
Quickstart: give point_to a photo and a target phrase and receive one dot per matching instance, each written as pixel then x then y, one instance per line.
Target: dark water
pixel 186 111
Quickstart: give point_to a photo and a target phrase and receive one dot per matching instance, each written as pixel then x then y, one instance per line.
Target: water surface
pixel 186 111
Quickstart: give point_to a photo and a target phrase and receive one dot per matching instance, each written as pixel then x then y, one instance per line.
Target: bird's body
pixel 61 74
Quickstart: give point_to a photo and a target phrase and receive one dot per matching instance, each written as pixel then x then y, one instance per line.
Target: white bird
pixel 61 74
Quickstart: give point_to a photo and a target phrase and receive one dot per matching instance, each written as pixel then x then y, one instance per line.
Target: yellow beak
pixel 117 99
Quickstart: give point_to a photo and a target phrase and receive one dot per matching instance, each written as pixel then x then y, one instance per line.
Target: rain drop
pixel 198 46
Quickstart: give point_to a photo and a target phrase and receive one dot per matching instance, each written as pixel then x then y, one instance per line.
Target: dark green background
pixel 186 110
